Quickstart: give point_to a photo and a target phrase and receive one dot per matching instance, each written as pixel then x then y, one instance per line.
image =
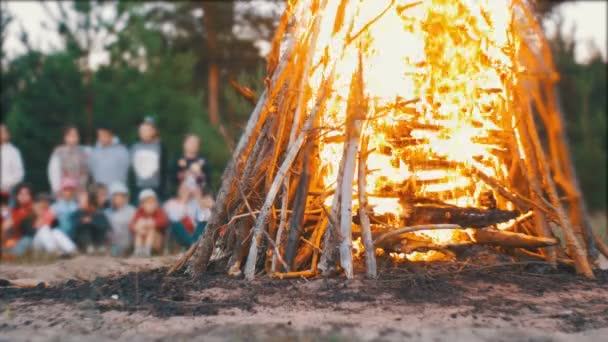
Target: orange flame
pixel 438 76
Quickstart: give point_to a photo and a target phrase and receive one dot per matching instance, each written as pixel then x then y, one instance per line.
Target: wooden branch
pixel 282 223
pixel 411 229
pixel 204 249
pixel 244 91
pixel 355 115
pixel 577 250
pixel 366 233
pixel 299 205
pixel 289 158
pixel 510 239
pixel 464 217
pixel 346 193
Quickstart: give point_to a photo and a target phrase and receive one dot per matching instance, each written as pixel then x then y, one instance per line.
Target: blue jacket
pixel 109 164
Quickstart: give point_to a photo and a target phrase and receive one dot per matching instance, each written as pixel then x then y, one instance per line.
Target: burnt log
pixel 464 217
pixel 421 214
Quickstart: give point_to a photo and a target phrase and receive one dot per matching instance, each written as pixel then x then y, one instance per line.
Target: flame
pixel 438 76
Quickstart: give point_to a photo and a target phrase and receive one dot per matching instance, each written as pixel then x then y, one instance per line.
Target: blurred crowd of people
pixel 90 207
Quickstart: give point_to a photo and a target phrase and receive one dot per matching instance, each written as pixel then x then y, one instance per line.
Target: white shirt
pixel 11 169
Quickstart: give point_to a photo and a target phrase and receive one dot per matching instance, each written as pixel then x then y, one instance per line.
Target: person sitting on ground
pixel 5 209
pixel 109 159
pixel 102 199
pixel 90 225
pixel 68 161
pixel 191 168
pixel 148 159
pixel 182 211
pixel 149 224
pixel 206 204
pixel 48 239
pixel 120 215
pixel 65 206
pixel 5 214
pixel 16 233
pixel 11 163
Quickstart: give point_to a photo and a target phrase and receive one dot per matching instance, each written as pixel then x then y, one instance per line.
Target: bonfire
pixel 400 129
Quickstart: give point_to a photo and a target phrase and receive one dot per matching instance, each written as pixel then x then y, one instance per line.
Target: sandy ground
pixel 477 307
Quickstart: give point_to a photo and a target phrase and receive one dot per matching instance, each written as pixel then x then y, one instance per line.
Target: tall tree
pixel 224 36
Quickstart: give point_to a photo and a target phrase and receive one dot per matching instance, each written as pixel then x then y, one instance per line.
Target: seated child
pixel 182 211
pixel 120 215
pixel 149 224
pixel 101 196
pixel 66 205
pixel 5 210
pixel 48 239
pixel 17 234
pixel 206 204
pixel 90 225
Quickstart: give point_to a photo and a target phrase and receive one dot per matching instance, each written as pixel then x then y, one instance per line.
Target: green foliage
pixel 42 92
pixel 583 97
pixel 147 76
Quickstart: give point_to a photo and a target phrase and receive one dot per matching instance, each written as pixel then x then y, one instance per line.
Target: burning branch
pixel 455 164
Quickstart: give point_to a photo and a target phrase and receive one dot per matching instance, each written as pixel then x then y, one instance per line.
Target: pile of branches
pixel 271 214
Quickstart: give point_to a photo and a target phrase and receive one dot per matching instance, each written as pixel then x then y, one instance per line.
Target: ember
pixel 400 128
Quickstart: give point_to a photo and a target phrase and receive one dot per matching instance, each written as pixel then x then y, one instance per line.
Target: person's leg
pixel 64 244
pixel 37 244
pixel 140 243
pixel 200 229
pixel 44 240
pixel 149 241
pixel 158 241
pixel 21 247
pixel 65 225
pixel 86 238
pixel 180 234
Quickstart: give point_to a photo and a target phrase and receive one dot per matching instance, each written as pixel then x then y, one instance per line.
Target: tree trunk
pixel 213 75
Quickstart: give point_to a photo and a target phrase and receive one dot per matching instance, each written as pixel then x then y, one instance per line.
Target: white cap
pixel 145 193
pixel 118 188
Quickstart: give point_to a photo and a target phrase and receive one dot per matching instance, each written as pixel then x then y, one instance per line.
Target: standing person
pixel 120 215
pixel 68 161
pixel 191 168
pixel 17 231
pixel 65 206
pixel 149 224
pixel 109 159
pixel 48 238
pixel 11 164
pixel 148 159
pixel 90 225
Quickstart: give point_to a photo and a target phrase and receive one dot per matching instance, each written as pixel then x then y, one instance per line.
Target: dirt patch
pixel 477 302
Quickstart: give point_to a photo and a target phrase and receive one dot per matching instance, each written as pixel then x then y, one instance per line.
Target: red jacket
pixel 19 215
pixel 159 216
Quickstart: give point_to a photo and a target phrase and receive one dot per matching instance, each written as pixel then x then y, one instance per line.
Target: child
pixel 101 196
pixel 90 225
pixel 68 160
pixel 47 239
pixel 17 234
pixel 149 224
pixel 148 159
pixel 182 211
pixel 206 203
pixel 120 215
pixel 66 205
pixel 191 167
